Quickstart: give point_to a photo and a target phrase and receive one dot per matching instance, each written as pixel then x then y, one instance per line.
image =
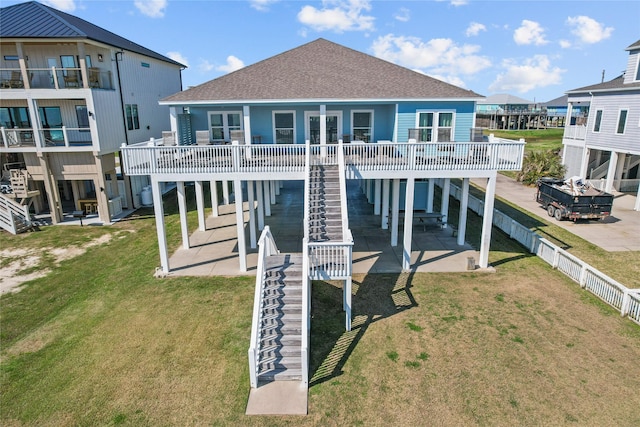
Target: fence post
pixel 583 275
pixel 556 257
pixel 626 302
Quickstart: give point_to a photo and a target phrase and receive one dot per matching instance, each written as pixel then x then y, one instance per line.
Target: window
pixel 622 121
pixel 284 127
pixel 11 57
pixel 637 70
pixel 221 125
pixel 362 125
pixel 83 117
pixel 598 121
pixel 15 117
pixel 434 127
pixel 51 118
pixel 133 122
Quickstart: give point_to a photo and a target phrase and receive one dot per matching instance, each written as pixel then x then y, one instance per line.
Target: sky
pixel 536 50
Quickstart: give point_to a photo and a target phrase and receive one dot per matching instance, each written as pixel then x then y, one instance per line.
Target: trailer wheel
pixel 558 215
pixel 551 210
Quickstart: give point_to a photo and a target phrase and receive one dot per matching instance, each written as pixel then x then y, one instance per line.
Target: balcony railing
pixel 148 159
pixel 52 137
pixel 578 132
pixel 56 78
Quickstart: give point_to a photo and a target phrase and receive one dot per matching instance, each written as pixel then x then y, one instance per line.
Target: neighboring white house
pixel 71 94
pixel 608 145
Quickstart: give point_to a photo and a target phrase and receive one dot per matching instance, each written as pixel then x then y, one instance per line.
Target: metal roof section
pixel 504 99
pixel 561 101
pixel 634 46
pixel 616 84
pixel 32 20
pixel 321 70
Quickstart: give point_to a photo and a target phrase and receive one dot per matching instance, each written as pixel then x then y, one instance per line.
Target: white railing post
pixel 626 301
pixel 65 136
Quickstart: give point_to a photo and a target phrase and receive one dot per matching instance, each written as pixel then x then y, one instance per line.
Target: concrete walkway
pixel 214 252
pixel 619 232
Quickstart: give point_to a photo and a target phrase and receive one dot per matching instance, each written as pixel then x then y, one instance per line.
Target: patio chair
pixel 94 77
pixel 202 137
pixel 71 79
pixel 168 138
pixel 237 135
pixel 16 80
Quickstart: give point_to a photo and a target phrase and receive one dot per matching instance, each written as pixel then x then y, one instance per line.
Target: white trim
pixel 626 119
pixel 329 101
pixel 436 119
pixel 371 124
pixel 309 114
pixel 225 121
pixel 273 124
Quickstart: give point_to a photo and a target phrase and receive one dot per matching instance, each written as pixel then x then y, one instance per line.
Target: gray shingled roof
pixel 634 46
pixel 561 101
pixel 33 20
pixel 617 83
pixel 321 70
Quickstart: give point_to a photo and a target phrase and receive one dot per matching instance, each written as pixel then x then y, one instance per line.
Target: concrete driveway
pixel 619 232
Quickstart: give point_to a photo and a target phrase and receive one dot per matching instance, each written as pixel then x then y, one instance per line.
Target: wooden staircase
pixel 279 356
pixel 325 215
pixel 14 216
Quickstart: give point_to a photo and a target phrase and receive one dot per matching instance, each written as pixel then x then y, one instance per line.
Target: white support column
pixel 182 208
pixel 395 203
pixel 278 187
pixel 323 130
pixel 464 204
pixel 385 204
pixel 272 191
pixel 376 200
pixel 444 206
pixel 260 198
pixel 487 221
pixel 368 190
pixel 202 225
pixel 242 245
pixel 214 199
pixel 431 188
pixel 408 224
pixel 225 192
pixel 636 207
pixel 267 198
pixel 585 162
pixel 158 210
pixel 347 303
pixel 252 214
pixel 611 172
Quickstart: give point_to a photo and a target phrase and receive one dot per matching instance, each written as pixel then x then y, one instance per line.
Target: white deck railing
pixel 9 210
pixel 578 132
pixel 626 300
pixel 149 159
pixel 54 137
pixel 266 246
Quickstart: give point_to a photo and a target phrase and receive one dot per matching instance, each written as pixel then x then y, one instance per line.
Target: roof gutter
pixel 314 101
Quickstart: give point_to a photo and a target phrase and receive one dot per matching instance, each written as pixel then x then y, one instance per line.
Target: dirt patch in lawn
pixel 22 265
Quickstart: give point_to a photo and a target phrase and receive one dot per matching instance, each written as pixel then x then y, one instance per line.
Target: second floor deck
pixel 287 161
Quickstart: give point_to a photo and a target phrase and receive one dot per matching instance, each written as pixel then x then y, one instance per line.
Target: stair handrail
pixel 343 190
pixel 266 246
pixel 600 171
pixel 13 210
pixel 306 282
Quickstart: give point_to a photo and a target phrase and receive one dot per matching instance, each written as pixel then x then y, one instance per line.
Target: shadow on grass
pixel 377 297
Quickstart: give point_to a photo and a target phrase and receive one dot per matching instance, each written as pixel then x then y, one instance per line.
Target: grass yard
pixel 537 139
pixel 99 341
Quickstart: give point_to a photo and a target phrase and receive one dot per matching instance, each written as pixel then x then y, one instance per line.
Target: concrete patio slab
pixel 278 398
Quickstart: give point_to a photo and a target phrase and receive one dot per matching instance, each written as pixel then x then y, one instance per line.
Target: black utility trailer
pixel 571 199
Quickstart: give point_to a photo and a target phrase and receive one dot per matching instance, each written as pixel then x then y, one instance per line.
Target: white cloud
pixel 403 15
pixel 177 56
pixel 529 32
pixel 205 66
pixel 474 29
pixel 338 16
pixel 64 5
pixel 534 73
pixel 459 2
pixel 233 64
pixel 588 30
pixel 437 56
pixel 262 5
pixel 151 8
pixel 565 44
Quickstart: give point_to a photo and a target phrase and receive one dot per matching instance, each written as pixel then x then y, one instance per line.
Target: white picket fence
pixel 604 287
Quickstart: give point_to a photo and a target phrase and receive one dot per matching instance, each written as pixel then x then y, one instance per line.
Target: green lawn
pixel 537 140
pixel 99 341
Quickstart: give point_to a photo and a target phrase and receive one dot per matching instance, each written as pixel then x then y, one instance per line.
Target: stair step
pixel 273 339
pixel 279 351
pixel 281 375
pixel 280 363
pixel 279 309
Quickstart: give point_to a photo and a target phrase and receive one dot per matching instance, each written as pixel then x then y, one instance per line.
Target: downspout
pixel 124 115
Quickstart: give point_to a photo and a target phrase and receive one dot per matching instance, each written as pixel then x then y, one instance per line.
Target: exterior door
pixel 221 125
pixel 334 127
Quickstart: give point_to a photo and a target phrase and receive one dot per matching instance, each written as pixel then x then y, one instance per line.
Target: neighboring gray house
pixel 607 146
pixel 71 94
